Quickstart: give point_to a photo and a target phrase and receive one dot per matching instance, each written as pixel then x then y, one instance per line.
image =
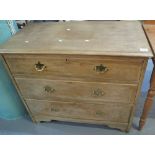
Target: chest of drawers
pixel 89 71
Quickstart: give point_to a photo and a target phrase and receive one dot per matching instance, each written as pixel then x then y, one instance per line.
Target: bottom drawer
pixel 82 111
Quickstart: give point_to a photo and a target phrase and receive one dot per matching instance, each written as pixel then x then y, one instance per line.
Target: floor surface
pixel 25 126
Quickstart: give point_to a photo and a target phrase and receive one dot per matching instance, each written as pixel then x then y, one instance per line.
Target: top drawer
pixel 77 67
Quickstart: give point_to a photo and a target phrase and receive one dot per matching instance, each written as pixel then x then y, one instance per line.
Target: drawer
pixel 75 90
pixel 93 68
pixel 79 111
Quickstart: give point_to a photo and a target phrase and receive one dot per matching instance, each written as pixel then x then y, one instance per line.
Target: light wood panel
pixel 89 72
pixel 150 32
pixel 116 38
pixel 150 22
pixel 118 70
pixel 74 90
pixel 80 110
pixel 115 125
pixel 18 91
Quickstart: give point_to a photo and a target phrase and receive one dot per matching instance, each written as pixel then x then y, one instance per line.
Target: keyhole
pixel 67 60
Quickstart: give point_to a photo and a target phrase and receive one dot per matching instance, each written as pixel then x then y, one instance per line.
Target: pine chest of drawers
pixel 87 71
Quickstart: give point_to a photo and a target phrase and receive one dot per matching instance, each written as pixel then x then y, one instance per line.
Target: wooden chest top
pixel 113 38
pixel 150 31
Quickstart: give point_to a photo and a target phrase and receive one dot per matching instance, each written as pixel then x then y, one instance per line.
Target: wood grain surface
pixel 87 72
pixel 76 90
pixel 119 69
pixel 119 38
pixel 80 110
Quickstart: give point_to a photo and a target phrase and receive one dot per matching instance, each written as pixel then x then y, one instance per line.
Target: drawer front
pixel 90 68
pixel 74 90
pixel 80 110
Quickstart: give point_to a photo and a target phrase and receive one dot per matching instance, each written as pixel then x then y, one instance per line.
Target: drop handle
pixel 49 89
pixel 54 110
pixel 98 92
pixel 99 113
pixel 101 68
pixel 39 66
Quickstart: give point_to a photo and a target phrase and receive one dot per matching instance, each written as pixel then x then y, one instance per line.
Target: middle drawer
pixel 43 89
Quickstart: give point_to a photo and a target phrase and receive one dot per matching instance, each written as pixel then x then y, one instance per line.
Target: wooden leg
pixel 147 107
pixel 149 100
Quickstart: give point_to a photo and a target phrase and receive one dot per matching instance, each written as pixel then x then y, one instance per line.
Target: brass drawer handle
pixel 39 66
pixel 101 68
pixel 99 113
pixel 49 89
pixel 98 92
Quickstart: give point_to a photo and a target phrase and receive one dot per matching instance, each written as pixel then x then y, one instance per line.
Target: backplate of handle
pixel 49 89
pixel 54 109
pixel 101 68
pixel 39 66
pixel 98 92
pixel 99 113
